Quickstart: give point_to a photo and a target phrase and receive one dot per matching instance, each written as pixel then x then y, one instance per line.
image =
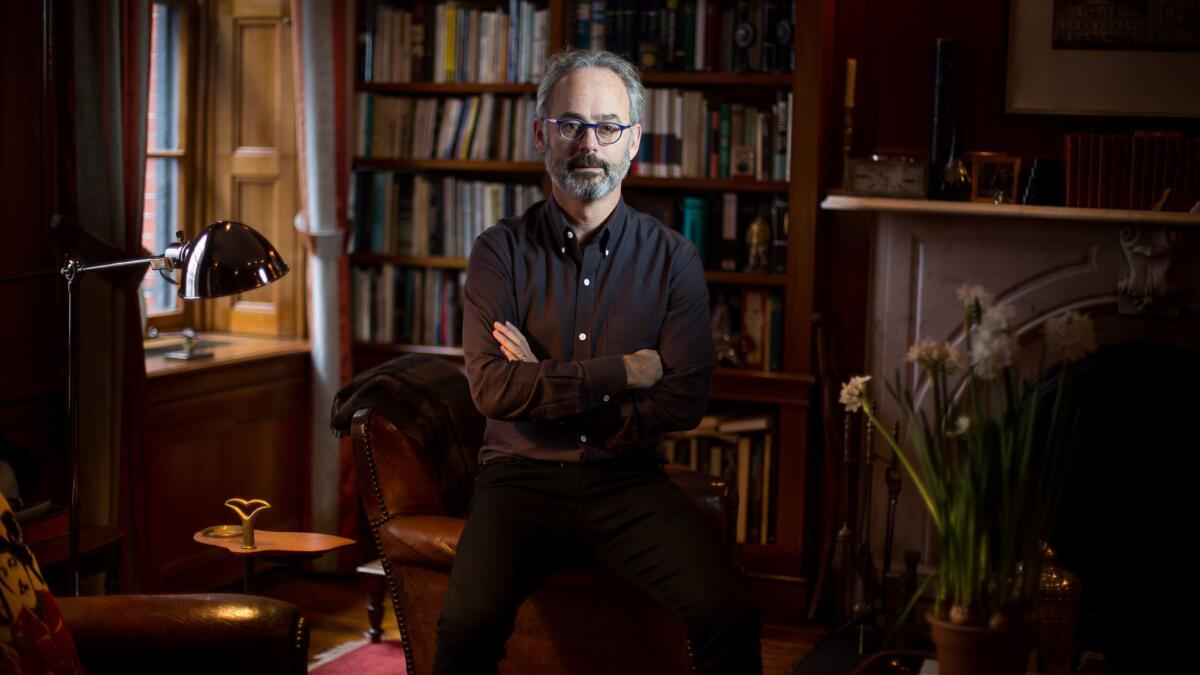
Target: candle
pixel 851 72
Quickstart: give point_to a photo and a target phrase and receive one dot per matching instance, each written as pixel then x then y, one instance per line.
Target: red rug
pixel 380 658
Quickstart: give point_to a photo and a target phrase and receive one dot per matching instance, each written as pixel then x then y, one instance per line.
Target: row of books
pixel 483 127
pixel 690 35
pixel 1147 170
pixel 752 234
pixel 747 326
pixel 407 305
pixel 686 136
pixel 407 214
pixel 453 42
pixel 741 451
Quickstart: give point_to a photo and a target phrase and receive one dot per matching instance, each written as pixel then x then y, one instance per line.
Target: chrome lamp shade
pixel 226 257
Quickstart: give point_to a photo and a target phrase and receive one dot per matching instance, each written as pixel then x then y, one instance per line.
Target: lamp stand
pixel 70 273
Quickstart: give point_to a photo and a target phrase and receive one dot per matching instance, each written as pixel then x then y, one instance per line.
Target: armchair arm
pixel 424 541
pixel 205 633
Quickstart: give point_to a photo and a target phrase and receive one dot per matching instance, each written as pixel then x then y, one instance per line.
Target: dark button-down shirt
pixel 635 285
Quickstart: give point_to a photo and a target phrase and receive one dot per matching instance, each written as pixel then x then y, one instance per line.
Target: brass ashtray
pixel 222 531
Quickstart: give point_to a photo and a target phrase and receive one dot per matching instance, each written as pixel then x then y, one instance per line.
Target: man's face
pixel 586 169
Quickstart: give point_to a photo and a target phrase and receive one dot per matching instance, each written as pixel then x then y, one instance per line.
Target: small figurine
pixel 758 245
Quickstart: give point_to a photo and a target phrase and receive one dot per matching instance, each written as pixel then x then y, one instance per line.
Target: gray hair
pixel 559 65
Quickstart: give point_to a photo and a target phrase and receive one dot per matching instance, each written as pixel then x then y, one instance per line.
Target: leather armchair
pixel 207 633
pixel 584 619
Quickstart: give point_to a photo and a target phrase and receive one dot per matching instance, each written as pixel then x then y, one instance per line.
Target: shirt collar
pixel 610 231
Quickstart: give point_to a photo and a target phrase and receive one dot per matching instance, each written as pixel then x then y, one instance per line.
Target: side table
pixel 282 547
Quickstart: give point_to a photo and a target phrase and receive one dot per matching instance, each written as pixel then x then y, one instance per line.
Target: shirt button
pixel 570 235
pixel 606 397
pixel 563 249
pixel 587 282
pixel 606 252
pixel 583 439
pixel 582 337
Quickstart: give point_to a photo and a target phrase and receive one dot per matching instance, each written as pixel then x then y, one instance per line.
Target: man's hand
pixel 512 343
pixel 643 369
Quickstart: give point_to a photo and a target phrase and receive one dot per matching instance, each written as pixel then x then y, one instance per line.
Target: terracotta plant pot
pixel 971 650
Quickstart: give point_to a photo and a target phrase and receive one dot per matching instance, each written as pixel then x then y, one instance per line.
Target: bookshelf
pixel 781 191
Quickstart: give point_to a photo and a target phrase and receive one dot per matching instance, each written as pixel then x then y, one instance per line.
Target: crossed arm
pixel 622 399
pixel 643 368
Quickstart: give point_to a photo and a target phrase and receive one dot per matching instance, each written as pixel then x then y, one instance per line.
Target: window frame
pixel 185 314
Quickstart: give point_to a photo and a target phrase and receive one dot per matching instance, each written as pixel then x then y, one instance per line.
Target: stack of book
pixel 407 305
pixel 453 42
pixel 690 35
pixel 738 449
pixel 483 127
pixel 1148 170
pixel 405 214
pixel 686 136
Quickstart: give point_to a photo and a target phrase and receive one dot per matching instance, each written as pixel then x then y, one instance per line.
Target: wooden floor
pixel 335 607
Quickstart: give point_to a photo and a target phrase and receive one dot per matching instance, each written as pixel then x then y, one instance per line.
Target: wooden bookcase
pixel 778 571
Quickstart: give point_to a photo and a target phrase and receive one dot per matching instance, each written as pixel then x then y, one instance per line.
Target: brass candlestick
pixel 239 506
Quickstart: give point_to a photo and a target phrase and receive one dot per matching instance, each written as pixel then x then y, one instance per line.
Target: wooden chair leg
pixel 375 583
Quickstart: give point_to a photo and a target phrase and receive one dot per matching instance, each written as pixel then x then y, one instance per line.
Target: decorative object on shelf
pixel 239 507
pixel 1005 441
pixel 1044 186
pixel 956 180
pixel 1058 614
pixel 226 257
pixel 758 245
pixel 848 114
pixel 191 350
pixel 994 179
pixel 883 176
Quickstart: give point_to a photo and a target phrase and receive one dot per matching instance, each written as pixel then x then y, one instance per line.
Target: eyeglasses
pixel 573 130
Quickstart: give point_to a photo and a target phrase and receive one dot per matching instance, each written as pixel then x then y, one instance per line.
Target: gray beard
pixel 587 187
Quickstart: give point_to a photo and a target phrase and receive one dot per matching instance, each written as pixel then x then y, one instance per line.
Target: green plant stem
pixel 920 484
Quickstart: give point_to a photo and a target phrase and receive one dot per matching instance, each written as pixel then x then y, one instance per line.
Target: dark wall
pixel 893 42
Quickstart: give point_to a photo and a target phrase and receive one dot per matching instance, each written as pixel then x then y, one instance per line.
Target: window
pixel 166 151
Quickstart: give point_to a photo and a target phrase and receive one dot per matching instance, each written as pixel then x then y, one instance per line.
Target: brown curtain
pixel 104 80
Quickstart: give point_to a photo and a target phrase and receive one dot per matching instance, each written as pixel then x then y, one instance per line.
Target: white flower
pixel 852 392
pixel 1070 336
pixel 997 318
pixel 969 295
pixel 992 351
pixel 931 354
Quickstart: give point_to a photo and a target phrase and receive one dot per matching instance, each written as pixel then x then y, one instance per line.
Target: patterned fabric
pixel 33 637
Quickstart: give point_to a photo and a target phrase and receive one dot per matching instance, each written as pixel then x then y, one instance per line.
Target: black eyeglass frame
pixel 594 126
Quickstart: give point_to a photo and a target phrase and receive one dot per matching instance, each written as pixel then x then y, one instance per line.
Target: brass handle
pixel 239 506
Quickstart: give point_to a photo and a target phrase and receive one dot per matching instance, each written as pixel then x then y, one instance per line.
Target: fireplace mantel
pixel 971 209
pixel 1134 272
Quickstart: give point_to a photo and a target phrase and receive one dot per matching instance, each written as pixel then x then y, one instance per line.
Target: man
pixel 586 332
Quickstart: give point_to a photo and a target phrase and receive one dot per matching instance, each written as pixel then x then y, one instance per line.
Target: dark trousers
pixel 526 516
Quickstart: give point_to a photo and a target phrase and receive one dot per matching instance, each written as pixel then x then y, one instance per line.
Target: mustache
pixel 588 162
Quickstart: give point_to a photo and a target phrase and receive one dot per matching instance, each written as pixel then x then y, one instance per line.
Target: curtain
pixel 105 77
pixel 321 63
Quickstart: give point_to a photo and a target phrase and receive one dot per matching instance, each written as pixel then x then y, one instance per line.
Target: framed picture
pixel 1103 57
pixel 994 179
